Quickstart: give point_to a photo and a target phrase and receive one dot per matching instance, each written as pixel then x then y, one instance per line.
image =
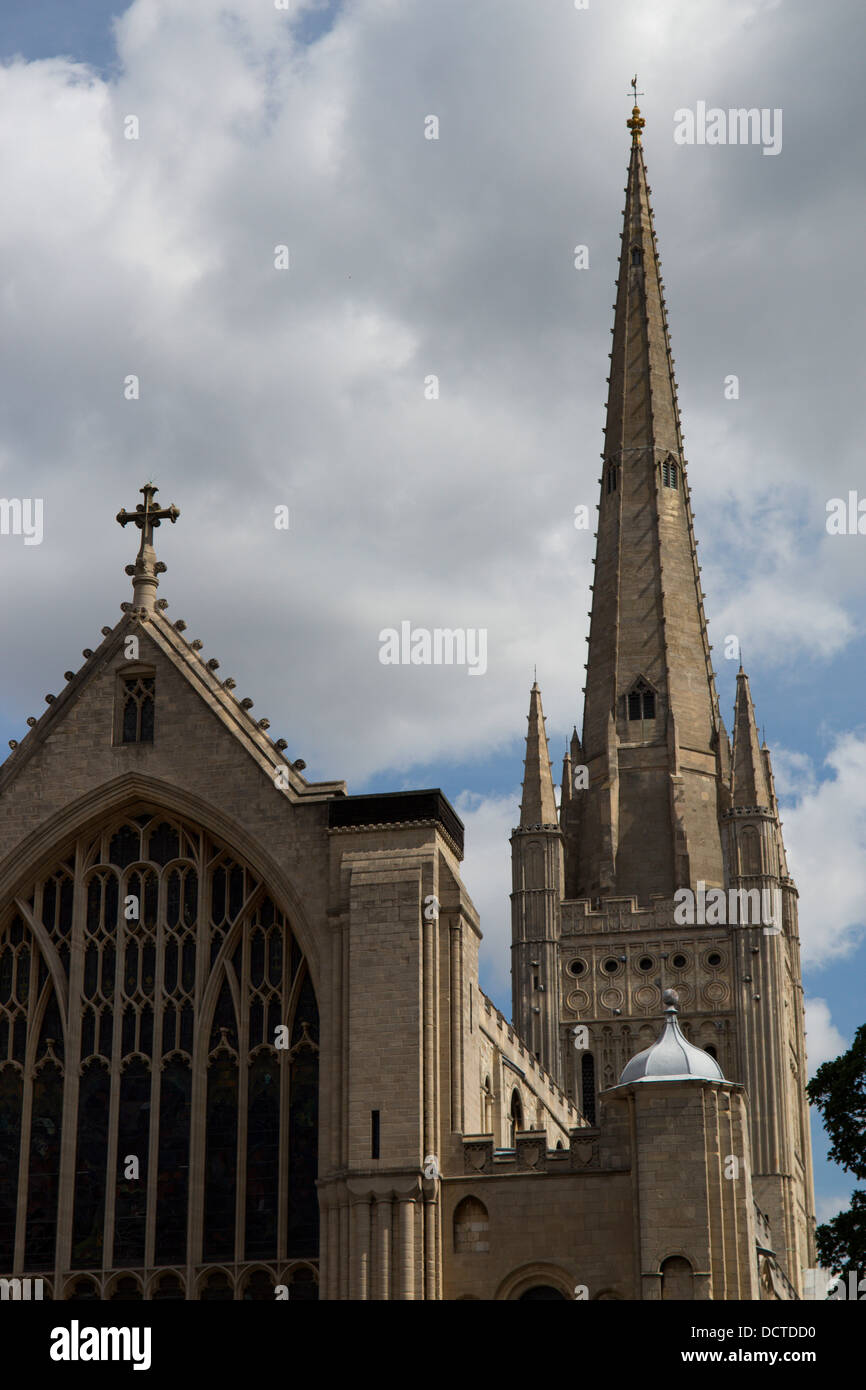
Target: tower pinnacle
pixel 538 805
pixel 749 783
pixel 144 572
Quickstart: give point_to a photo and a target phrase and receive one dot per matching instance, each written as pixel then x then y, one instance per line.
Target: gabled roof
pixel 187 659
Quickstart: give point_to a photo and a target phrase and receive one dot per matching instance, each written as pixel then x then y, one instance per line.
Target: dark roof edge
pixel 394 808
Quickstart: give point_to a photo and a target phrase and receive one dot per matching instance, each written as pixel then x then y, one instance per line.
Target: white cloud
pixel 825 839
pixel 831 1205
pixel 824 1042
pixel 408 257
pixel 793 773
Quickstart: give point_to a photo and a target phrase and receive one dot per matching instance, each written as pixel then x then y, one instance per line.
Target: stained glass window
pixel 184 961
pixel 132 1143
pixel 11 1091
pixel 44 1168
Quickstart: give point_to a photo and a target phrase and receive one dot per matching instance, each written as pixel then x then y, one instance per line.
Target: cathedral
pixel 243 1049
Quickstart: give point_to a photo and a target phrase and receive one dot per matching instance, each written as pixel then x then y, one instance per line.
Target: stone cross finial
pixel 146 516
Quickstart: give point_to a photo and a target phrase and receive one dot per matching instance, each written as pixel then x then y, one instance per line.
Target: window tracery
pixel 177 964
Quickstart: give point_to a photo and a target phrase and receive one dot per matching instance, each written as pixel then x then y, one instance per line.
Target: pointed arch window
pixel 636 255
pixel 641 701
pixel 516 1117
pixel 611 476
pixel 136 702
pixel 486 1106
pixel 471 1227
pixel 670 474
pixel 190 979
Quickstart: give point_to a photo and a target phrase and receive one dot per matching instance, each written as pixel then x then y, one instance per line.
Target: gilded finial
pixel 637 122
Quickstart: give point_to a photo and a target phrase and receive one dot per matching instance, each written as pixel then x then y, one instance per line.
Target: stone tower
pixel 654 800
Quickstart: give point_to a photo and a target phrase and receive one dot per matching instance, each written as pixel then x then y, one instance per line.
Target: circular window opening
pixel 610 966
pixel 645 963
pixel 577 967
pixel 714 959
pixel 678 962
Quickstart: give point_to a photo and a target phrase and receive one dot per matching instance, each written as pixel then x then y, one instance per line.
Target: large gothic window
pixel 164 976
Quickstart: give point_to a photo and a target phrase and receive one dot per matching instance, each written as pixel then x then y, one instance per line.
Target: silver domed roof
pixel 671 1057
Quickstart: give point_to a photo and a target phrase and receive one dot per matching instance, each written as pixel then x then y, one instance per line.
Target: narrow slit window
pixel 611 479
pixel 587 1078
pixel 636 256
pixel 670 474
pixel 374 1134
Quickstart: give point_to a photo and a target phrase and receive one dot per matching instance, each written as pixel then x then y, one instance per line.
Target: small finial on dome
pixel 671 999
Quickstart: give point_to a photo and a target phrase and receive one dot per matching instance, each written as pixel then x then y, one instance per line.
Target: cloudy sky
pixel 412 258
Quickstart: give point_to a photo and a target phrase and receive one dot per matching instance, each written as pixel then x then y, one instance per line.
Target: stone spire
pixel 749 785
pixel 144 572
pixel 651 718
pixel 774 807
pixel 538 803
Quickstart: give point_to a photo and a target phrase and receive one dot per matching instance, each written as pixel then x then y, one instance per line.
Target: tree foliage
pixel 838 1089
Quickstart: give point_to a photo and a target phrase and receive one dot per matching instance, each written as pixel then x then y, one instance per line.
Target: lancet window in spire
pixel 641 701
pixel 670 474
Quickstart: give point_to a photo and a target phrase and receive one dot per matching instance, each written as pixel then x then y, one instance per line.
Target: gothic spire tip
pixel 637 122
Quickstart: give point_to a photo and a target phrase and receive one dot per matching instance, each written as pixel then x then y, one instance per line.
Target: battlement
pixel 598 916
pixel 516 1053
pixel 531 1154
